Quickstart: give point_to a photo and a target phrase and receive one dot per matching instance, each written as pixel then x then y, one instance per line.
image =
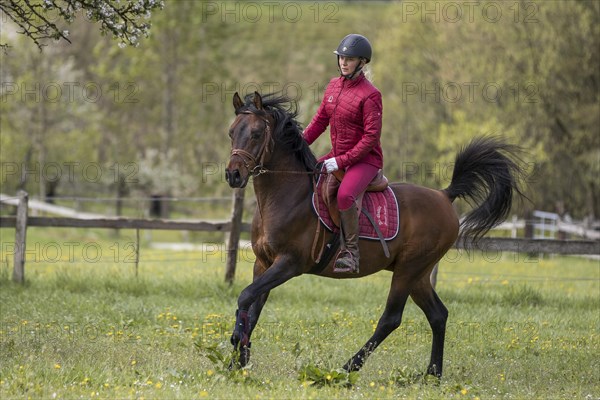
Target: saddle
pixel 332 184
pixel 379 217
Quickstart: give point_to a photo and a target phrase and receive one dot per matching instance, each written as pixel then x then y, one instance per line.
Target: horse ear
pixel 258 101
pixel 237 101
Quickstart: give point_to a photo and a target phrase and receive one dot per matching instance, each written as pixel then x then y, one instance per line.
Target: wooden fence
pixel 235 226
pixel 22 221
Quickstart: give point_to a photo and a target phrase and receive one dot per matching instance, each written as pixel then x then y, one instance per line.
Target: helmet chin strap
pixel 353 74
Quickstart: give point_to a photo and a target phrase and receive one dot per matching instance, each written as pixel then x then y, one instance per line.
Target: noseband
pixel 254 164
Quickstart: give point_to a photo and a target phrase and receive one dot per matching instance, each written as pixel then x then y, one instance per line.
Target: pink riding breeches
pixel 356 180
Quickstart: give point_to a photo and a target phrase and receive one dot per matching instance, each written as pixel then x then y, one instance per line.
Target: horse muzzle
pixel 235 178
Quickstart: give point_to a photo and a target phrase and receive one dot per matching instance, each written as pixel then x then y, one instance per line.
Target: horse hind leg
pixel 437 314
pixel 388 322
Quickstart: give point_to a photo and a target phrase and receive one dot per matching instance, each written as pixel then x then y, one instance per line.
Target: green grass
pixel 519 327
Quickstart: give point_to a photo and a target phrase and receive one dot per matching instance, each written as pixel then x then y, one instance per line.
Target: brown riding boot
pixel 348 258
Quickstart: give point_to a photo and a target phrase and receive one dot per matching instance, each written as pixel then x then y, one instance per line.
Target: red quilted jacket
pixel 353 109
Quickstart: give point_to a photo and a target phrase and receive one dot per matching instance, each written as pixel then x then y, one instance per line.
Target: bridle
pixel 254 164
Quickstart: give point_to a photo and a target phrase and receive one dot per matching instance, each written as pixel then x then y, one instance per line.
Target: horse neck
pixel 286 183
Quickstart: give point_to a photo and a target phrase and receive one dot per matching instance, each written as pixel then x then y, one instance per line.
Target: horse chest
pixel 265 249
pixel 270 240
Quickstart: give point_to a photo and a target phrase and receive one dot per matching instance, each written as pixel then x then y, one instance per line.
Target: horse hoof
pixel 351 367
pixel 242 359
pixel 244 356
pixel 233 365
pixel 434 371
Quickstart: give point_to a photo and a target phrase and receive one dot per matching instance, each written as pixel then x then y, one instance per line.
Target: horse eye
pixel 256 133
pixel 230 133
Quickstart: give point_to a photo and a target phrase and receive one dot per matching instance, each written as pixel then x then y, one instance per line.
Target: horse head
pixel 251 140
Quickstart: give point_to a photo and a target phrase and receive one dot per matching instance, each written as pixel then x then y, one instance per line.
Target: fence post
pixel 234 234
pixel 20 237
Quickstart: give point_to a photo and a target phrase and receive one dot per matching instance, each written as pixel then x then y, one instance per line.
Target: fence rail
pixel 125 223
pixel 542 246
pixel 83 220
pixel 235 226
pixel 560 226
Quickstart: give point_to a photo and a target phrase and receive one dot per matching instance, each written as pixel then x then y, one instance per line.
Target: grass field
pixel 85 326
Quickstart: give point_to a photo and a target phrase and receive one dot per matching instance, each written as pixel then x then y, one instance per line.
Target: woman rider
pixel 352 108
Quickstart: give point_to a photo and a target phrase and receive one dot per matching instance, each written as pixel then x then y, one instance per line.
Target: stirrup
pixel 337 268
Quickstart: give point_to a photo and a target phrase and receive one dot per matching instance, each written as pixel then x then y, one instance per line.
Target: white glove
pixel 330 165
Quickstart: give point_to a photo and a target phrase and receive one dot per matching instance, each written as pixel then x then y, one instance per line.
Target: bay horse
pixel 267 145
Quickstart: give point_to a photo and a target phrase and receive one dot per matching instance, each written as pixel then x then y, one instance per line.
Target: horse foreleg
pixel 389 321
pixel 252 300
pixel 253 316
pixel 256 309
pixel 437 315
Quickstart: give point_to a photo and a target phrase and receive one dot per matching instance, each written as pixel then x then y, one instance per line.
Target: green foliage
pixel 530 75
pixel 309 373
pixel 222 359
pixel 405 376
pixel 314 375
pixel 42 20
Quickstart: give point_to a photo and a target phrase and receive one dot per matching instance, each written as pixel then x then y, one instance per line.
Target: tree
pixel 48 19
pixel 529 73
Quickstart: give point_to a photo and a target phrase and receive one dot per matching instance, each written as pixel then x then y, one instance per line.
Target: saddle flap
pixel 329 191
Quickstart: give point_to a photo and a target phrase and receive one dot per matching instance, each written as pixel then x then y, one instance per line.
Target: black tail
pixel 486 173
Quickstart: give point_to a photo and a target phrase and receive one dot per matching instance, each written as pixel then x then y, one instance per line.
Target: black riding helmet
pixel 354 45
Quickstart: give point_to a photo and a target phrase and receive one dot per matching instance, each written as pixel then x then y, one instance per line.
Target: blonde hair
pixel 368 73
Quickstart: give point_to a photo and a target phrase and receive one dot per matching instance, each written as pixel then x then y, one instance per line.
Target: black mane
pixel 287 131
